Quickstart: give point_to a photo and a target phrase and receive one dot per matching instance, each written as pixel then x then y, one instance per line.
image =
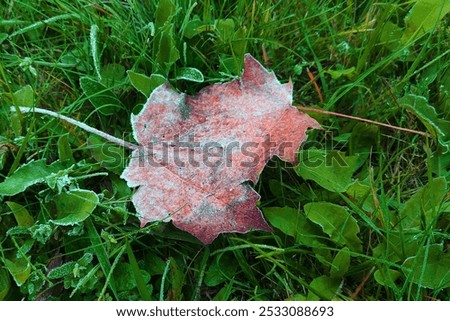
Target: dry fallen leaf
pixel 198 153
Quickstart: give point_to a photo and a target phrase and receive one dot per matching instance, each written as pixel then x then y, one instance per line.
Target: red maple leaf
pixel 198 153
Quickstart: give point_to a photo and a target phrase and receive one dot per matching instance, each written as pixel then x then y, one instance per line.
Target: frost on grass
pixel 193 168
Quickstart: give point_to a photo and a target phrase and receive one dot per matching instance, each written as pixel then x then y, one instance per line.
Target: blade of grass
pixel 163 280
pixel 109 278
pixel 142 287
pixel 203 266
pixel 100 252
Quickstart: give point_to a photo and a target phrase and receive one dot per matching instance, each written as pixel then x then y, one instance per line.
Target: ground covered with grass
pixel 371 222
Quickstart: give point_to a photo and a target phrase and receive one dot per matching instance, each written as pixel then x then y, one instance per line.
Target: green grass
pixel 382 61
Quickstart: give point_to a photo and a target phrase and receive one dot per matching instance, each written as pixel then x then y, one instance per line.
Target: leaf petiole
pixel 316 110
pixel 72 121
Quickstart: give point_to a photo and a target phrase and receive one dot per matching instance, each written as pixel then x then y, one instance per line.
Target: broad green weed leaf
pixel 109 155
pixel 168 53
pixel 21 214
pixel 24 97
pixel 103 99
pixel 221 270
pixel 194 27
pixel 397 246
pixel 337 222
pixel 120 187
pixel 225 292
pixel 164 42
pixel 74 206
pixel 62 270
pixel 363 196
pixel 20 270
pixel 230 65
pixel 340 264
pixel 293 223
pixel 387 277
pixel 16 124
pixel 429 268
pixel 338 73
pixel 424 204
pixel 60 179
pixel 424 16
pixel 323 287
pixel 113 74
pixel 154 264
pixel 224 29
pixel 331 169
pixel 296 297
pixel 419 106
pixel 164 13
pixel 69 60
pixel 239 43
pixel 5 283
pixel 390 36
pixel 145 84
pixel 125 279
pixel 323 253
pixel 64 150
pixel 27 175
pixel 363 138
pixel 190 74
pixel 440 164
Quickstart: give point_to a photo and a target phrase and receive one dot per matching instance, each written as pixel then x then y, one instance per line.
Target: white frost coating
pixel 163 102
pixel 206 196
pixel 94 52
pixel 72 121
pixel 191 74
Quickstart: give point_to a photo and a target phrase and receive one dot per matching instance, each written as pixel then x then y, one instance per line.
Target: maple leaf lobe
pixel 210 196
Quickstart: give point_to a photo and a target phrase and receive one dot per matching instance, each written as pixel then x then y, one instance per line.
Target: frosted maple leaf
pixel 197 154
